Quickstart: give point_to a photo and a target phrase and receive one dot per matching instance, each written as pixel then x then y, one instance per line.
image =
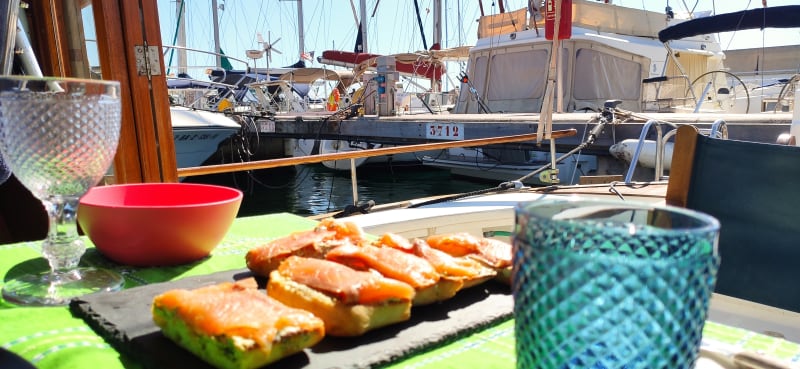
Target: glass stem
pixel 62 248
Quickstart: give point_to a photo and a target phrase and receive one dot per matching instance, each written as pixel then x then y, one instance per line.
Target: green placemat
pixel 493 348
pixel 50 337
pixel 53 338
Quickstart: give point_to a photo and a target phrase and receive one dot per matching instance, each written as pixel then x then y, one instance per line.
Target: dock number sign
pixel 444 131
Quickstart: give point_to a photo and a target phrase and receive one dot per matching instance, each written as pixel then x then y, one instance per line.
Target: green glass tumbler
pixel 611 284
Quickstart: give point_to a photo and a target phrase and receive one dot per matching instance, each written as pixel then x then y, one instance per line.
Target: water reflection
pixel 313 189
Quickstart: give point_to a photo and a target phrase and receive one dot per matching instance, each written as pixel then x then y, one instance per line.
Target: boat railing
pixel 186 89
pixel 277 97
pixel 439 101
pixel 205 96
pixel 718 129
pixel 766 77
pixel 198 51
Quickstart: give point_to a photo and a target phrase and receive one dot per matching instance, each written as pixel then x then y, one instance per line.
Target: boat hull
pixel 305 147
pixel 198 133
pixel 472 164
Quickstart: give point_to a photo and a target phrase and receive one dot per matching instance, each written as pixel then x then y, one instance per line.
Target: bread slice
pixel 232 326
pixel 350 302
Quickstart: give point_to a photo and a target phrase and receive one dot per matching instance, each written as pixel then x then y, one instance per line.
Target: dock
pixel 420 132
pixel 425 128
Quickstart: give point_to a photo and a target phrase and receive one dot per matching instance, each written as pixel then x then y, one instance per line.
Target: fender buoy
pixel 333 100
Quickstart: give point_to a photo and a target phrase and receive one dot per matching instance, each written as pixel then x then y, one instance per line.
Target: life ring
pixel 333 100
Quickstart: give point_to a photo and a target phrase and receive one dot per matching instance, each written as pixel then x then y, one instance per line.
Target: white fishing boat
pixel 495 165
pixel 198 134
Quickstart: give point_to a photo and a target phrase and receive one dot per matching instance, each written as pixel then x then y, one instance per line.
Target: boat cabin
pixel 613 54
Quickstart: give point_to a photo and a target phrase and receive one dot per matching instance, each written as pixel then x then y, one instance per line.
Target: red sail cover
pixel 419 67
pixel 564 26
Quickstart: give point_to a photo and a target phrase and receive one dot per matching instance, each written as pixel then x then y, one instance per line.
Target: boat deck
pixel 644 191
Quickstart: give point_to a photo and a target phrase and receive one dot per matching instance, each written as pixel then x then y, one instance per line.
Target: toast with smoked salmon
pixel 314 243
pixel 467 270
pixel 234 325
pixel 350 302
pixel 429 286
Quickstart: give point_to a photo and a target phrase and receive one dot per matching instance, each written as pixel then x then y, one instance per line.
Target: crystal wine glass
pixel 59 137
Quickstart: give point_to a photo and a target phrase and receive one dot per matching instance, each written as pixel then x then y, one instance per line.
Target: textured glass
pixel 58 144
pixel 611 284
pixel 58 137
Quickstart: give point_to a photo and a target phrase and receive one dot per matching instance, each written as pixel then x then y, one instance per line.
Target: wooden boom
pixel 309 159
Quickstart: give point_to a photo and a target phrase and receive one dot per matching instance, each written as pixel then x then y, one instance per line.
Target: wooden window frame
pixel 146 152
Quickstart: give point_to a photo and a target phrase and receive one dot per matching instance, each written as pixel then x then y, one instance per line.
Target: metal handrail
pixel 659 149
pixel 719 129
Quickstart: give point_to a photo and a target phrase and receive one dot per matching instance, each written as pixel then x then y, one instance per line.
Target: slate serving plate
pixel 123 318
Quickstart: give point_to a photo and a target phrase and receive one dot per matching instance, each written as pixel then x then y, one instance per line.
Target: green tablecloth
pixel 50 337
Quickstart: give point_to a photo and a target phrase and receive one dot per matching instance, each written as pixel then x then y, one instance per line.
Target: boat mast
pixel 181 12
pixel 437 38
pixel 363 25
pixel 301 38
pixel 217 48
pixel 437 22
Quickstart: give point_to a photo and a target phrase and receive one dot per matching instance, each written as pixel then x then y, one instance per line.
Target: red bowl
pixel 157 224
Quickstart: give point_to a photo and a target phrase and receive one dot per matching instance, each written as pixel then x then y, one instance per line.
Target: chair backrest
pixel 753 189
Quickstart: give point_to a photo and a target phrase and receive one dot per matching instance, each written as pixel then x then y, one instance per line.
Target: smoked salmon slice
pixel 234 309
pixel 494 253
pixel 393 263
pixel 329 233
pixel 470 271
pixel 344 230
pixel 350 302
pixel 312 243
pixel 389 262
pixel 346 284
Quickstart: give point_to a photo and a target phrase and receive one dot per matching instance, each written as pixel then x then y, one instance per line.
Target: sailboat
pixel 198 124
pixel 603 60
pixel 426 65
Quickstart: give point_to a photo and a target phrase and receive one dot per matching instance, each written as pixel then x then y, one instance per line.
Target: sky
pixel 392 24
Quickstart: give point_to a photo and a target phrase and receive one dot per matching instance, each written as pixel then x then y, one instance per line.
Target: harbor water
pixel 313 189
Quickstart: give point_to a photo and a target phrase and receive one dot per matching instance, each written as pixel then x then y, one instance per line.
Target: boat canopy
pixel 772 17
pixel 238 78
pixel 187 83
pixel 302 78
pixel 418 64
pixel 309 75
